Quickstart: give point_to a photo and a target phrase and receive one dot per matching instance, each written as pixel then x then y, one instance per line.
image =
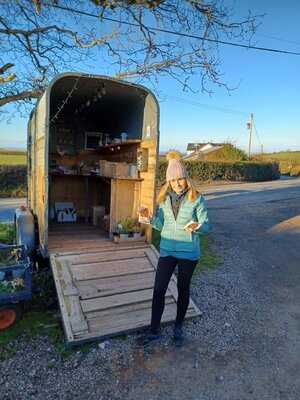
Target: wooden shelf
pixel 125 178
pixel 98 176
pixel 128 142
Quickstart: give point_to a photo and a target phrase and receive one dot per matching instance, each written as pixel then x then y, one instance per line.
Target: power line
pixel 191 36
pixel 197 104
pixel 279 39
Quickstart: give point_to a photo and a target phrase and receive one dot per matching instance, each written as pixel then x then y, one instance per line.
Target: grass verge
pixel 208 260
pixel 7 233
pixel 41 317
pixel 40 314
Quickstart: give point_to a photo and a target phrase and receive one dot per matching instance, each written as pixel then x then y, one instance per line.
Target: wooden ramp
pixel 108 292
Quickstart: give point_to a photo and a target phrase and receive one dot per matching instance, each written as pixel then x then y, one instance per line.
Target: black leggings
pixel 165 269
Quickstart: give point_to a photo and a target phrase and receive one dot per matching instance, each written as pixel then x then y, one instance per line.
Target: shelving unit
pixel 128 142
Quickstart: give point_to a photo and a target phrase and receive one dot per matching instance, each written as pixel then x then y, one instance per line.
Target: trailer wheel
pixel 9 314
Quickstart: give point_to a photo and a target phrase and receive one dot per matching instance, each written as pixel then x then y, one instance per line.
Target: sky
pixel 266 84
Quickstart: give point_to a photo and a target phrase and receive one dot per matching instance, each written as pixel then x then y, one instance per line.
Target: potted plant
pixel 125 228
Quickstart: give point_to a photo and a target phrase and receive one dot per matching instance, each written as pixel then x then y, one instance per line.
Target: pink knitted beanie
pixel 175 169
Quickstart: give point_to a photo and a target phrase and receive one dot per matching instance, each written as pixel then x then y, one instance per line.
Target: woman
pixel 179 203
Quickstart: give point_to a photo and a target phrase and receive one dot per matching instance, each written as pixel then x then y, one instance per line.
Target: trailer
pixel 92 162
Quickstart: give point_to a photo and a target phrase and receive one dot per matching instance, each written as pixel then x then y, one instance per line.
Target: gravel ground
pixel 111 368
pixel 244 347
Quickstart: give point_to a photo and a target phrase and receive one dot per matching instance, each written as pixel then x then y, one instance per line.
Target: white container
pixel 133 172
pixel 124 136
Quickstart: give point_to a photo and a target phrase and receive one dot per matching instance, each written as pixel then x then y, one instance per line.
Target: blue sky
pixel 268 85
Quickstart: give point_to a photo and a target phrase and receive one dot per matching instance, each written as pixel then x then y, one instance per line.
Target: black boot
pixel 178 335
pixel 150 337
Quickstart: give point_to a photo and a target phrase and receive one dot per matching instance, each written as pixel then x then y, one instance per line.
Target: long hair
pixel 192 194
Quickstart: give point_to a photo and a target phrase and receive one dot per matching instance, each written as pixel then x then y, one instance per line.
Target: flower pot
pixel 124 236
pixel 137 235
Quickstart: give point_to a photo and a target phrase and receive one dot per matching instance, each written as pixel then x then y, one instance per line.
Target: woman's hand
pixel 145 212
pixel 192 227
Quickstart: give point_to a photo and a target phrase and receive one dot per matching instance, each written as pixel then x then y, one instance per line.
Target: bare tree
pixel 138 39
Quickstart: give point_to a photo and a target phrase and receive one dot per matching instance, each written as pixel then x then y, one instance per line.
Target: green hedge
pixel 13 180
pixel 250 171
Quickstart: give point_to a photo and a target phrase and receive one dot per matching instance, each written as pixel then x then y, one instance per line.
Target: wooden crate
pixel 114 169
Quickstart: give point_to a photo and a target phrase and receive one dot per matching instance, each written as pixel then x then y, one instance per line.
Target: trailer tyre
pixel 9 315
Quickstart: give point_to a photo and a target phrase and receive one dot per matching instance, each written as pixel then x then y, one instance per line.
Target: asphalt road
pixel 256 228
pixel 7 208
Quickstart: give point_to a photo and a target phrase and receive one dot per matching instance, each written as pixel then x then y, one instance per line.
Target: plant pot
pixel 123 236
pixel 137 235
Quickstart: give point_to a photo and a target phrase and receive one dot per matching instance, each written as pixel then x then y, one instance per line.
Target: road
pixel 256 230
pixel 7 208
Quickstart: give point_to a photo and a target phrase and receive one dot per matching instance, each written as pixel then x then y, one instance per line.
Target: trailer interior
pixel 92 122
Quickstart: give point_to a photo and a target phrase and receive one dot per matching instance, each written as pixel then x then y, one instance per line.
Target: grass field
pixel 8 157
pixel 292 156
pixel 289 161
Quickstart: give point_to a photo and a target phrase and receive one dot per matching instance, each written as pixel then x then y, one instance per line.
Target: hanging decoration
pixel 69 95
pixel 100 92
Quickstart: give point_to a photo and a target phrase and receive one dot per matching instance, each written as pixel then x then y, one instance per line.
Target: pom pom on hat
pixel 175 169
pixel 173 155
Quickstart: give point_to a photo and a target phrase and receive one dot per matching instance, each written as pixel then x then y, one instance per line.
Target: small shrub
pixel 295 170
pixel 126 225
pixel 13 180
pixel 228 152
pixel 7 233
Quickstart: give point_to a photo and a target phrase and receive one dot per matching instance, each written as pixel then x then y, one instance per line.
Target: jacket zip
pixel 175 219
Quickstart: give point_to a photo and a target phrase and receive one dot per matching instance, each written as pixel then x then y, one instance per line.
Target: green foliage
pixel 7 233
pixel 128 225
pixel 38 319
pixel 208 260
pixel 291 156
pixel 8 157
pixel 13 180
pixel 228 152
pixel 12 286
pixel 252 171
pixel 289 161
pixel 295 170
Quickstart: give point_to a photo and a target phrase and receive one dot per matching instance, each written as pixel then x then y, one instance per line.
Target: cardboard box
pixel 114 169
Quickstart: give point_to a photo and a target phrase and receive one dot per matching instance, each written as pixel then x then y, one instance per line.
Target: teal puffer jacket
pixel 173 237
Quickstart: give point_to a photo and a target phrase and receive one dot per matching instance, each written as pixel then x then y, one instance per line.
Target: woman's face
pixel 178 185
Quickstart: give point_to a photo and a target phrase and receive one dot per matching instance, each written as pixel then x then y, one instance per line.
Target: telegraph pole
pixel 249 126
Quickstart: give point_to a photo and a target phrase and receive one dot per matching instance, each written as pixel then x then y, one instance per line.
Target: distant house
pixel 196 150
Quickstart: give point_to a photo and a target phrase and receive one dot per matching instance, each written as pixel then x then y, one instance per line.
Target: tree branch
pixel 26 95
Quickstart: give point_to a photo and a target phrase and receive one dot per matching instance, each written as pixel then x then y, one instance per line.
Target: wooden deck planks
pixel 131 324
pixel 116 312
pixel 109 290
pixel 110 268
pixel 101 303
pixel 115 285
pixel 109 256
pixel 130 318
